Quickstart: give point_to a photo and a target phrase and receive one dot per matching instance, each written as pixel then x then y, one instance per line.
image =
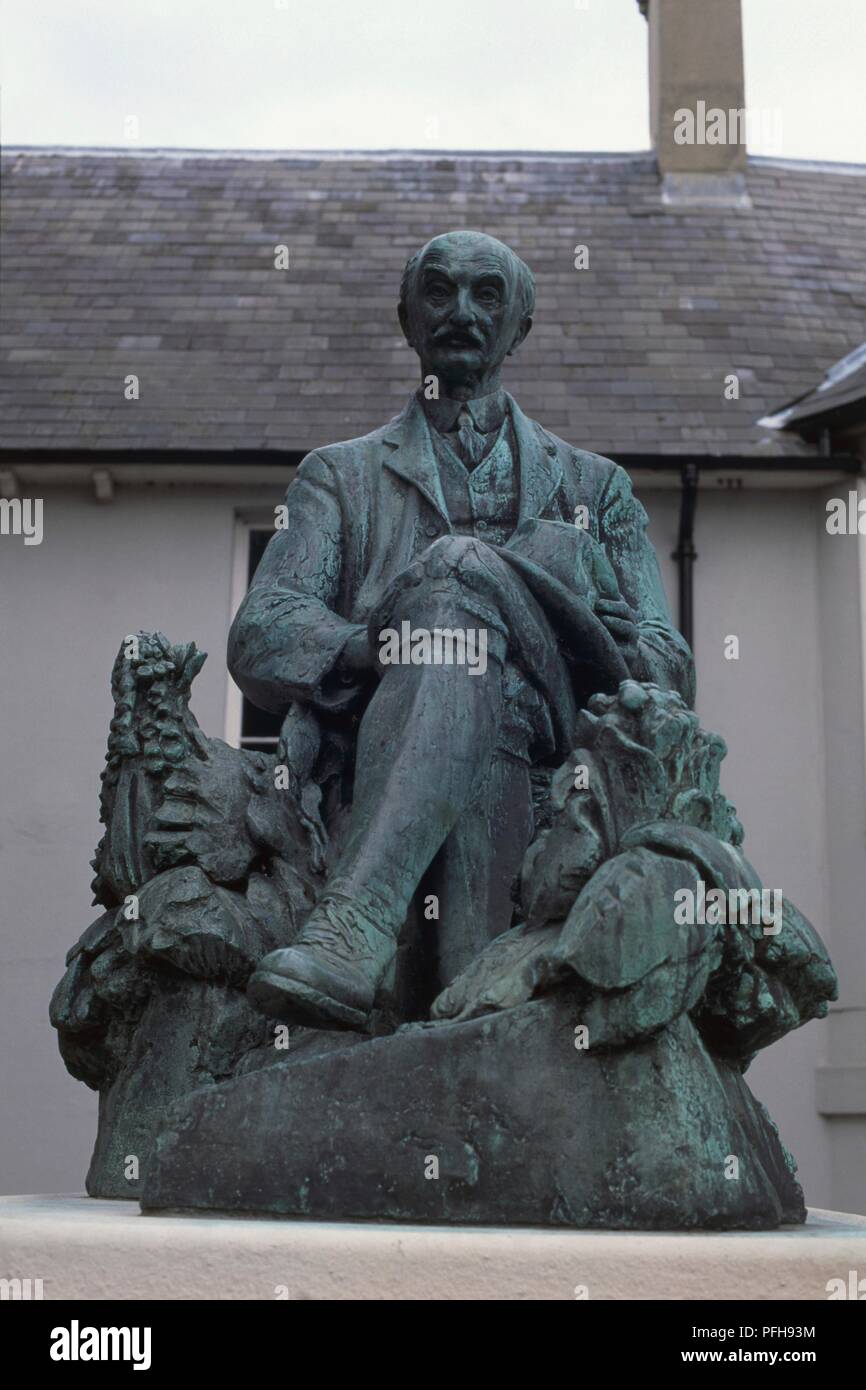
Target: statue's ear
pixel 525 325
pixel 404 320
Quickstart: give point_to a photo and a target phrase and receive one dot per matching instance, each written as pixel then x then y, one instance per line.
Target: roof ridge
pixel 385 155
pixel 177 152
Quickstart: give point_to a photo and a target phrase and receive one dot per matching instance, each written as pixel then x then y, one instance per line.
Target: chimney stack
pixel 697 90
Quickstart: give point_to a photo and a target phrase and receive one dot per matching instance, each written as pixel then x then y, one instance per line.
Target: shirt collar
pixel 487 412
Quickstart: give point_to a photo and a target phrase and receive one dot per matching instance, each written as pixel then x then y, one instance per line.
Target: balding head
pixel 524 280
pixel 466 302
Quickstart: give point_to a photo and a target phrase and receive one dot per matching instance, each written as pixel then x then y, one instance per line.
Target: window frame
pixel 246 522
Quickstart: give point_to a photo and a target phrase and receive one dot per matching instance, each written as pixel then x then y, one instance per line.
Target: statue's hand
pixel 358 657
pixel 619 619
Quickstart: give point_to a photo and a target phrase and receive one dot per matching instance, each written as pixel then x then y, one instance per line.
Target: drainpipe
pixel 685 553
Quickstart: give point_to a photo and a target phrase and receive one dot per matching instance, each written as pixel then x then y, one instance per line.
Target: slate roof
pixel 162 264
pixel 840 396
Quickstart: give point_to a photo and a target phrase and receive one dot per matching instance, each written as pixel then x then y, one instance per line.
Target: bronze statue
pixel 479 942
pixel 461 514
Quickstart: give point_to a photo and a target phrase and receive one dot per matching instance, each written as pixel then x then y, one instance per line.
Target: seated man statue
pixel 463 522
pixel 487 728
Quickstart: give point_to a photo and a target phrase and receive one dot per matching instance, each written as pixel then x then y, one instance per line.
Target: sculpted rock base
pixel 489 1112
pixel 189 1036
pixel 524 1128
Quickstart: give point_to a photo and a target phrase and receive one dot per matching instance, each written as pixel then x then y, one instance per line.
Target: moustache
pixel 461 336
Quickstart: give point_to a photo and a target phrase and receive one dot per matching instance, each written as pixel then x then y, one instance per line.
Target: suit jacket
pixel 360 511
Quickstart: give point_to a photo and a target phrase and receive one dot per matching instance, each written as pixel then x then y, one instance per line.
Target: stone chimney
pixel 697 97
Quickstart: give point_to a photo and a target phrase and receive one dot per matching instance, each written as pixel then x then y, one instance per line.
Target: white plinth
pixel 82 1248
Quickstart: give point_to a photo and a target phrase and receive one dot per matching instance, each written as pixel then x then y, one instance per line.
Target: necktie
pixel 470 439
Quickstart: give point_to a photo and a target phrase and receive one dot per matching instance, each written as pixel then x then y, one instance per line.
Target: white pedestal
pixel 85 1249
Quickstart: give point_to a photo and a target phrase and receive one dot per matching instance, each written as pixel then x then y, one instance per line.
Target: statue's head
pixel 466 303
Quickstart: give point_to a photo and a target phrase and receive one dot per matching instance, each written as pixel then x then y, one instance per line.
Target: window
pixel 246 726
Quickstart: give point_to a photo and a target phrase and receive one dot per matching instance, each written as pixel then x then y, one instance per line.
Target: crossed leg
pixel 425 748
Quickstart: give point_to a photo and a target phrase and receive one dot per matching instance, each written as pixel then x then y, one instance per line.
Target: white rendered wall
pixel 154 559
pixel 756 577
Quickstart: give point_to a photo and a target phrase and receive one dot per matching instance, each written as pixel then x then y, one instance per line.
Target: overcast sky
pixel 417 74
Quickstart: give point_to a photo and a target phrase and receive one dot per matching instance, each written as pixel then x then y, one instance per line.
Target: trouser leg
pixel 473 875
pixel 425 746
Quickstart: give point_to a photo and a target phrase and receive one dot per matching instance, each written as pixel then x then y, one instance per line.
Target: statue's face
pixel 464 313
